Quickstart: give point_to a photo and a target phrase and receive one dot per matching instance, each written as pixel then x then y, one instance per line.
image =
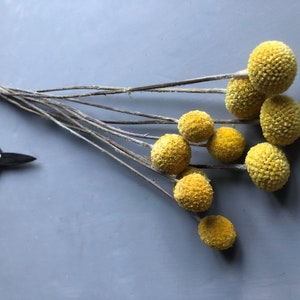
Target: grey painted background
pixel 75 224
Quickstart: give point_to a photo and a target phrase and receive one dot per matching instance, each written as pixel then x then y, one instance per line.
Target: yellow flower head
pixel 267 166
pixel 194 192
pixel 217 232
pixel 196 126
pixel 242 100
pixel 280 120
pixel 226 144
pixel 170 154
pixel 272 67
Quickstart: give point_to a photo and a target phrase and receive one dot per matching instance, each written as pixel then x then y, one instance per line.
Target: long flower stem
pixel 159 87
pixel 157 119
pixel 237 167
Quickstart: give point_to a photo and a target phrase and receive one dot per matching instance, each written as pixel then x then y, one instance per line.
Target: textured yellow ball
pixel 242 100
pixel 267 166
pixel 280 120
pixel 272 67
pixel 171 154
pixel 196 126
pixel 194 193
pixel 226 144
pixel 217 232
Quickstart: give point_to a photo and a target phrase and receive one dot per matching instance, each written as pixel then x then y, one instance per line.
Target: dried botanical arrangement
pixel 253 96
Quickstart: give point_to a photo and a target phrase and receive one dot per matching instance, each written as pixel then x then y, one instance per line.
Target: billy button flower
pixel 217 232
pixel 242 100
pixel 196 126
pixel 267 166
pixel 280 120
pixel 194 192
pixel 171 154
pixel 226 144
pixel 272 67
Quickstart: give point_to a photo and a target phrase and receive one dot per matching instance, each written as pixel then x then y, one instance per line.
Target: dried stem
pixel 236 167
pixel 76 121
pixel 160 87
pixel 29 106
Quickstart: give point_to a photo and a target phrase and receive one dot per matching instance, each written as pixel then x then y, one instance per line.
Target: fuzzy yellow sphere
pixel 194 193
pixel 267 166
pixel 196 126
pixel 272 67
pixel 171 154
pixel 242 100
pixel 226 144
pixel 217 232
pixel 280 120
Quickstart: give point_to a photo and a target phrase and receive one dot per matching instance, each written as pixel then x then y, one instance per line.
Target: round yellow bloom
pixel 196 126
pixel 171 154
pixel 242 100
pixel 217 232
pixel 267 166
pixel 226 144
pixel 194 193
pixel 280 120
pixel 272 67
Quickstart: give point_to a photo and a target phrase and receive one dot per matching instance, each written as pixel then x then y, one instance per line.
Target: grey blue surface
pixel 75 224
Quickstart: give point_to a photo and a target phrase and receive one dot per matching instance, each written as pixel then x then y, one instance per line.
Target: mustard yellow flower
pixel 280 120
pixel 196 126
pixel 272 67
pixel 193 192
pixel 226 144
pixel 170 154
pixel 217 232
pixel 242 100
pixel 267 166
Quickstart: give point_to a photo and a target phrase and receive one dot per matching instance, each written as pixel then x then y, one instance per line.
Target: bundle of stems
pixel 100 133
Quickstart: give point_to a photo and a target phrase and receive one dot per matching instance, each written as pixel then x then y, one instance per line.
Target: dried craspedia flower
pixel 280 120
pixel 226 144
pixel 170 154
pixel 196 126
pixel 242 100
pixel 267 166
pixel 272 67
pixel 217 232
pixel 194 192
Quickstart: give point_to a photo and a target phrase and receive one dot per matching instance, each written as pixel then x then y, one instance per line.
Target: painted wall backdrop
pixel 77 225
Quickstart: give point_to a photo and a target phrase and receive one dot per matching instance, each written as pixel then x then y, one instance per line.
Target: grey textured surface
pixel 75 224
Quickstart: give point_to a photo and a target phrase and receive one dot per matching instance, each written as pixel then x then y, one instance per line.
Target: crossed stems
pixel 167 87
pixel 82 125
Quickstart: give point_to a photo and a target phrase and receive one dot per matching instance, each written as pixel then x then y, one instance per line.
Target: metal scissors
pixel 8 159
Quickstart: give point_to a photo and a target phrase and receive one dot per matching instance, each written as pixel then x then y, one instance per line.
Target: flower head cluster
pixel 253 93
pixel 272 68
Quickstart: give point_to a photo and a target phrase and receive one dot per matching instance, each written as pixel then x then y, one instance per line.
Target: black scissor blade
pixel 13 159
